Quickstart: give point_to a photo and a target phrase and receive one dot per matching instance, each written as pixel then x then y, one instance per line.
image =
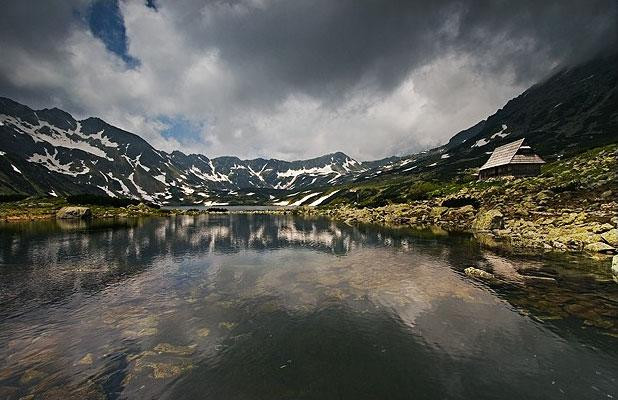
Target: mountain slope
pixel 48 151
pixel 573 110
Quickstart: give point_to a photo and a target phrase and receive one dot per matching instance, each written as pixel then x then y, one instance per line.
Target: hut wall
pixel 517 170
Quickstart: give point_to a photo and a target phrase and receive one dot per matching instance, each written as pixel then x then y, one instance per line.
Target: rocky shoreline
pixel 568 230
pixel 46 210
pixel 571 207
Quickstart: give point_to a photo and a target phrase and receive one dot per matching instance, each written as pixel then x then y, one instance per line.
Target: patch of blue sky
pixel 183 130
pixel 151 4
pixel 106 23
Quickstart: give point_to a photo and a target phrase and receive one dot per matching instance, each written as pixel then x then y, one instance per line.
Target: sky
pixel 292 79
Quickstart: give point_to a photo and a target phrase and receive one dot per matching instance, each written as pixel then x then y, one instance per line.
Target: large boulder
pixel 615 268
pixel 488 221
pixel 74 213
pixel 611 237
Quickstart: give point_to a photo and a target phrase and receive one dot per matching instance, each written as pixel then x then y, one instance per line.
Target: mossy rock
pixel 599 247
pixel 437 211
pixel 488 220
pixel 479 274
pixel 74 213
pixel 611 237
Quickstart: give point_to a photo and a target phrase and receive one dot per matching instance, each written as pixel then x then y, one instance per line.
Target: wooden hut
pixel 512 159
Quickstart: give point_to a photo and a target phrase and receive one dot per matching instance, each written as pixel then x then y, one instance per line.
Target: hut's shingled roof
pixel 507 154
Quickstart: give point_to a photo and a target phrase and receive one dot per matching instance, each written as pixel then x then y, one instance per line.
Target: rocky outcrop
pixel 74 213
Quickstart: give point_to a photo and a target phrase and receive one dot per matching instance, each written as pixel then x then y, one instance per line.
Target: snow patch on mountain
pixel 139 189
pixel 107 191
pixel 500 134
pixel 320 200
pixel 302 200
pixel 51 162
pixel 56 137
pixel 160 178
pixel 124 190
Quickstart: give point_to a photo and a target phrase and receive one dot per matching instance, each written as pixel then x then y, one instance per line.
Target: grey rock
pixel 74 213
pixel 599 247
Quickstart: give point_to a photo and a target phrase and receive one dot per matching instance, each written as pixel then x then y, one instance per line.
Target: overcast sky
pixel 291 78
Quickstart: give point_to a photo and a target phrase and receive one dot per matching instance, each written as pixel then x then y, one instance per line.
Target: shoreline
pixel 559 231
pixel 574 231
pixel 570 230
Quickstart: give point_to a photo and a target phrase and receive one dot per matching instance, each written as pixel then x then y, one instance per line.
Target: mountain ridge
pixel 569 112
pixel 57 154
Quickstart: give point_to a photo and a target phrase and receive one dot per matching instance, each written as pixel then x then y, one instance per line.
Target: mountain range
pixel 49 152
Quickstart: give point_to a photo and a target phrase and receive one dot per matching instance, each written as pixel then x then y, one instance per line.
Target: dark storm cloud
pixel 34 32
pixel 292 78
pixel 323 47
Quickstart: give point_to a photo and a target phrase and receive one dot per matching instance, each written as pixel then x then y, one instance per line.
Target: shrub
pixel 456 202
pixel 6 198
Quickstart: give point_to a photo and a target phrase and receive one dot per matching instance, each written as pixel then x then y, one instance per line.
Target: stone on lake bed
pixel 227 325
pixel 478 273
pixel 86 360
pixel 203 332
pixel 166 370
pixel 74 213
pixel 31 375
pixel 615 267
pixel 174 349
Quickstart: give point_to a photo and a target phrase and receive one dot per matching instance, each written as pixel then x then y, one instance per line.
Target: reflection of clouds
pixel 118 293
pixel 325 237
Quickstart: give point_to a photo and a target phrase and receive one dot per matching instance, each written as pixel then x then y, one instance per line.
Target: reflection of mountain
pixel 227 304
pixel 52 254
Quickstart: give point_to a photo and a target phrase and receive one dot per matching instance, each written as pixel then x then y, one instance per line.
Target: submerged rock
pixel 203 332
pixel 167 370
pixel 615 268
pixel 174 349
pixel 74 213
pixel 478 273
pixel 86 360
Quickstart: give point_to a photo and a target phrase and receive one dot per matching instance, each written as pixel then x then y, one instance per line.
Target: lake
pixel 249 306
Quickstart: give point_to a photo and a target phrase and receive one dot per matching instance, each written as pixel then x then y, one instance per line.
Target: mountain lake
pixel 250 306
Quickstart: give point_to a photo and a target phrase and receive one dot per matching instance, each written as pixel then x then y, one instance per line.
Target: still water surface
pixel 280 307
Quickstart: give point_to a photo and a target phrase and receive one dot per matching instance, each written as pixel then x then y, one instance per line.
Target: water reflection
pixel 257 306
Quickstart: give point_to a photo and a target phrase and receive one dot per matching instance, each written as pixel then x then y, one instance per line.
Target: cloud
pixel 285 79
